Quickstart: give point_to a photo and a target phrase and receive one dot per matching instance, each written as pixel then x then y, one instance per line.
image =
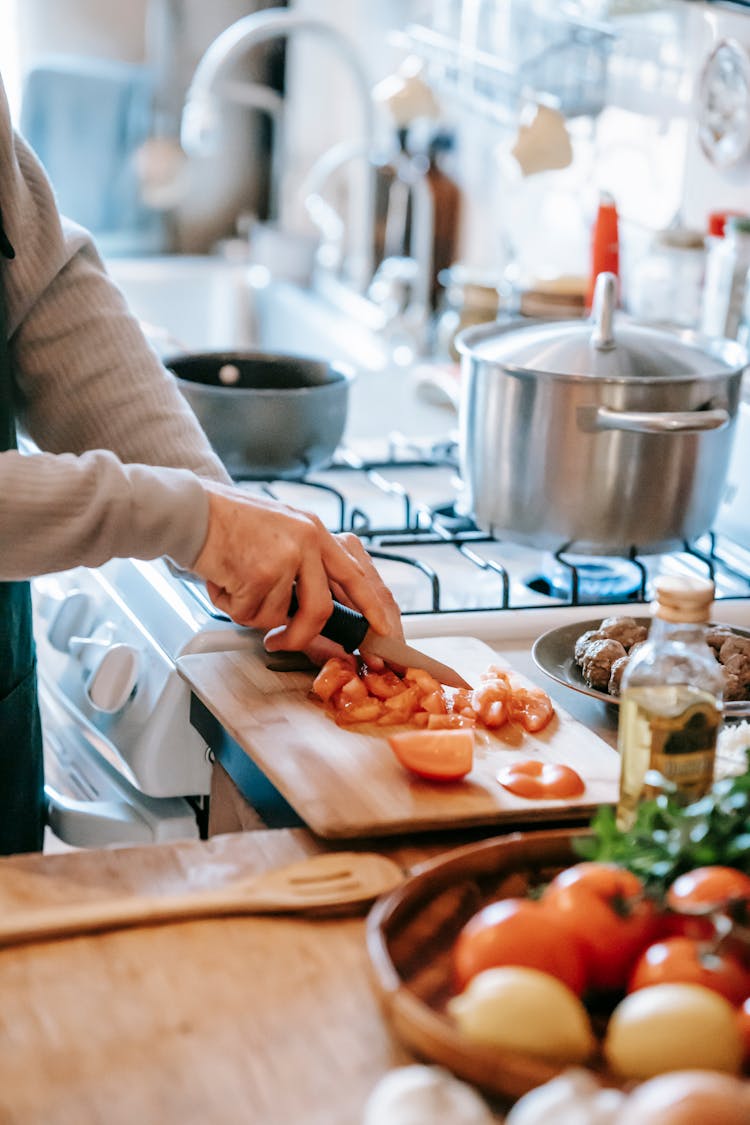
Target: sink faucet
pixel 212 83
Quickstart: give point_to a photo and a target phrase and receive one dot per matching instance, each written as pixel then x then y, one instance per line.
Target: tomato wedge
pixel 438 755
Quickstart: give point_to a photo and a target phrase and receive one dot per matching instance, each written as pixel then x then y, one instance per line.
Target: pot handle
pixel 592 419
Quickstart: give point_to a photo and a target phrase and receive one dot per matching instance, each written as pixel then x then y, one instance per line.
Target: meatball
pixel 615 676
pixel 623 629
pixel 734 646
pixel 717 635
pixel 598 660
pixel 583 643
pixel 737 677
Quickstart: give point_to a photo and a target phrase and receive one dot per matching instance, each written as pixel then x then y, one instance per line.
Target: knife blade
pixel 351 630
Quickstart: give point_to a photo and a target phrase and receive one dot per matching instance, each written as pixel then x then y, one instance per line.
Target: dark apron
pixel 22 807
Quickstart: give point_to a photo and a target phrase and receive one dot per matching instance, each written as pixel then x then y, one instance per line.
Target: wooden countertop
pixel 263 1020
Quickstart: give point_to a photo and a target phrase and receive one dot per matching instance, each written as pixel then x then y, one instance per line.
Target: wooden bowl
pixel 410 935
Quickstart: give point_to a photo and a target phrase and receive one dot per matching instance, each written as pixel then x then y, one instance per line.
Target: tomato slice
pixel 541 780
pixel 439 755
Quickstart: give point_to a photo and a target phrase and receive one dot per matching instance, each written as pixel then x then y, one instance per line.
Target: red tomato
pixel 743 1018
pixel 681 960
pixel 707 887
pixel 517 931
pixel 684 925
pixel 540 780
pixel 606 907
pixel 440 755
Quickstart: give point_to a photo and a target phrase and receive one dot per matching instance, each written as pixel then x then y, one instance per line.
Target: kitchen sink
pixel 207 303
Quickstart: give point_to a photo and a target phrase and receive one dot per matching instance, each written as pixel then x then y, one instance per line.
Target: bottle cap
pixel 717 221
pixel 683 598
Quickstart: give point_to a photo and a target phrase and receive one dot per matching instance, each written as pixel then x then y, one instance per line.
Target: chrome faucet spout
pixel 212 83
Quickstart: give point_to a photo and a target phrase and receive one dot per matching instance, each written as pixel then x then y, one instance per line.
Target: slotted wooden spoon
pixel 321 882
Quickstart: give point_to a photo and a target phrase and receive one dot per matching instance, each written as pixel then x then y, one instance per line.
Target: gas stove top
pixel 130 759
pixel 406 506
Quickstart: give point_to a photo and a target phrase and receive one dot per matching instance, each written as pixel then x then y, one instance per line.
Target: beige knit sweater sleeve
pixel 119 475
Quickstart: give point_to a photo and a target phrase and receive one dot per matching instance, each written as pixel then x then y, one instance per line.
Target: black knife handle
pixel 345 626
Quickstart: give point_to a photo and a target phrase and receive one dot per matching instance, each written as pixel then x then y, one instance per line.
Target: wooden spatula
pixel 322 882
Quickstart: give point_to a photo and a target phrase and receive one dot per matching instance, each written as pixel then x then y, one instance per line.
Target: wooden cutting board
pixel 347 783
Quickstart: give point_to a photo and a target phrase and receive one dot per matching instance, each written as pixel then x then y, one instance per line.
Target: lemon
pixel 672 1027
pixel 524 1010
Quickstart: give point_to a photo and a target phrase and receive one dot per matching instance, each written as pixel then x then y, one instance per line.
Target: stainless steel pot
pixel 267 416
pixel 593 436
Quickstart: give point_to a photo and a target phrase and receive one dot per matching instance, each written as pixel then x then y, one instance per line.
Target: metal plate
pixel 553 654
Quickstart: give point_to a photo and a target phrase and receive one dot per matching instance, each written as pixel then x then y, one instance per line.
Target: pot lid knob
pixel 603 312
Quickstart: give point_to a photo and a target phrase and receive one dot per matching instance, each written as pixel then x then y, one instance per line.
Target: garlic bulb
pixel 425 1095
pixel 575 1098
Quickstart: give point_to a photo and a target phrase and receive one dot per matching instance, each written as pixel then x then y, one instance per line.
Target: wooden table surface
pixel 262 1020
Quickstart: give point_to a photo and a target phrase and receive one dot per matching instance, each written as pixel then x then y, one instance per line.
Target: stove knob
pixel 69 619
pixel 113 678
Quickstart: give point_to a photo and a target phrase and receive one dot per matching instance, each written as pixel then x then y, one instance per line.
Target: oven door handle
pixel 94 824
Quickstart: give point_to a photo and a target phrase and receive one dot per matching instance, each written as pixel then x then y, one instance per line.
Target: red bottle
pixel 605 244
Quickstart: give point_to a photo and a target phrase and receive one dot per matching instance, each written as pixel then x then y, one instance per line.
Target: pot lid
pixel 604 348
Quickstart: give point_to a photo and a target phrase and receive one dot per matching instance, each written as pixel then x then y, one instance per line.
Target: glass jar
pixel 667 285
pixel 743 332
pixel 726 271
pixel 671 700
pixel 470 297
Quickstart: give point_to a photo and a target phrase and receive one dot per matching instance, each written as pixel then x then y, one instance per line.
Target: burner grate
pixel 403 507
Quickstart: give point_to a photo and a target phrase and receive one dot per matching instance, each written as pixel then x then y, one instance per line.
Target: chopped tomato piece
pixel 450 721
pixel 434 702
pixel 385 684
pixel 537 780
pixel 353 691
pixel 424 681
pixel 332 676
pixel 439 755
pixel 368 711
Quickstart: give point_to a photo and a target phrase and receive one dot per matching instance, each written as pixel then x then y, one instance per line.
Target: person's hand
pixel 257 549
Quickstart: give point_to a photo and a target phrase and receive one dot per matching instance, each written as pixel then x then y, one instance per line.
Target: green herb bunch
pixel 670 837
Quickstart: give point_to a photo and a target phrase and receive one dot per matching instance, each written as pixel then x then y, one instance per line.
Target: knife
pixel 351 630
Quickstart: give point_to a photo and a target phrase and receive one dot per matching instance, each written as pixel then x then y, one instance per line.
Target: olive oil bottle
pixel 670 699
